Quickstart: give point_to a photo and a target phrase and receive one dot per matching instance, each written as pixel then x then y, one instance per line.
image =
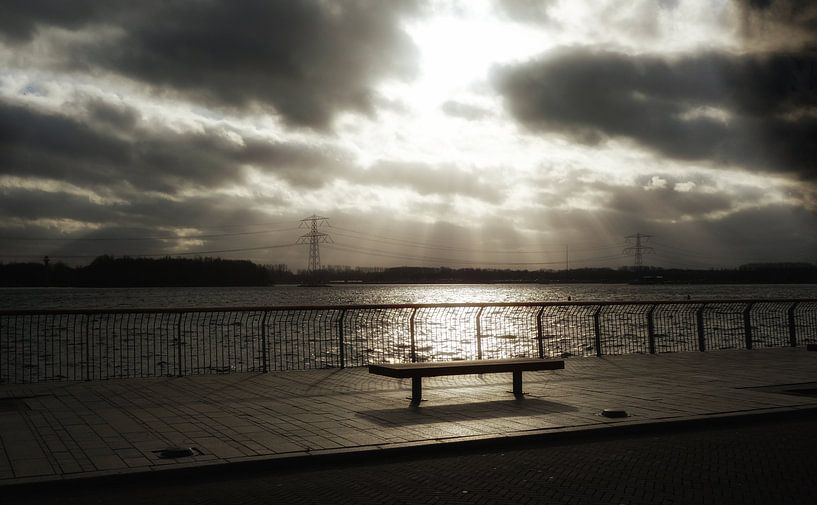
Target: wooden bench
pixel 416 371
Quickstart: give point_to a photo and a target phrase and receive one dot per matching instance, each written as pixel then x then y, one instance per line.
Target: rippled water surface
pixel 110 344
pixel 75 298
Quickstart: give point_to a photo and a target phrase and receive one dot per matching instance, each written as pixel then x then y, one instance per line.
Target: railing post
pixel 413 349
pixel 747 324
pixel 179 357
pixel 479 333
pixel 597 329
pixel 341 348
pixel 651 329
pixel 540 334
pixel 699 319
pixel 12 351
pixel 87 347
pixel 264 357
pixel 792 325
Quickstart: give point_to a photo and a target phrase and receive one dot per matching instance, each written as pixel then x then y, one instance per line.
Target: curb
pixel 395 452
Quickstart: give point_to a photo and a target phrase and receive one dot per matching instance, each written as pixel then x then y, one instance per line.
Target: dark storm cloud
pixel 653 197
pixel 22 18
pixel 425 179
pixel 144 226
pixel 105 145
pixel 666 197
pixel 119 117
pixel 778 20
pixel 201 211
pixel 148 212
pixel 29 205
pixel 752 110
pixel 667 203
pixel 308 59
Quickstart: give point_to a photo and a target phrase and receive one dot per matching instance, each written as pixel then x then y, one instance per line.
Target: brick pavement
pixel 70 430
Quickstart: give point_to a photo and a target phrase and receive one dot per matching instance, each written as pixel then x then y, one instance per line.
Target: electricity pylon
pixel 638 249
pixel 314 238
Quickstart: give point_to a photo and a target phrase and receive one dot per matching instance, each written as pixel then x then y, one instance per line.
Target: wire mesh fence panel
pixel 16 332
pixel 445 333
pixel 42 347
pixel 14 357
pixel 377 336
pixel 33 355
pixel 122 345
pixel 112 344
pixel 805 316
pixel 623 329
pixel 568 330
pixel 303 339
pixel 675 328
pixel 147 339
pixel 769 324
pixel 508 332
pixel 222 342
pixel 166 343
pixel 724 326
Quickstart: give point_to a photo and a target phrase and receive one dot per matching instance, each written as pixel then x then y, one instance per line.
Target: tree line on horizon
pixel 108 271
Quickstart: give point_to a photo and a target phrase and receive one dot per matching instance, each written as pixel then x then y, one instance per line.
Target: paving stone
pixel 217 447
pixel 22 446
pixel 136 462
pixel 107 461
pixel 69 467
pixel 30 467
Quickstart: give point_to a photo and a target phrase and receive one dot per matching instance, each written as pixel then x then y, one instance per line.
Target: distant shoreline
pixel 107 271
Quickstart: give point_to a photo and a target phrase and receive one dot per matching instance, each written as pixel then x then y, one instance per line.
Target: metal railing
pixel 101 344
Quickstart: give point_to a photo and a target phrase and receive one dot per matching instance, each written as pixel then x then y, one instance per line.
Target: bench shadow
pixel 428 413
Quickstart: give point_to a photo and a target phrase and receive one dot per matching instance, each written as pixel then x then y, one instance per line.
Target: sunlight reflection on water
pixel 64 298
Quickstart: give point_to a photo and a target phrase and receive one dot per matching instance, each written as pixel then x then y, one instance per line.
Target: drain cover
pixel 614 413
pixel 176 452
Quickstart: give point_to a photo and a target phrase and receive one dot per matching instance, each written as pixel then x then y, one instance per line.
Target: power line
pixel 154 255
pixel 403 242
pixel 244 225
pixel 426 259
pixel 155 237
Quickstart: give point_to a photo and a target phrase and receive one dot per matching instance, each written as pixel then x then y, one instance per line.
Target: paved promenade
pixel 66 431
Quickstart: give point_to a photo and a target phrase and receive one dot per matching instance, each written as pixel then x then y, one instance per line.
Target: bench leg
pixel 416 390
pixel 517 384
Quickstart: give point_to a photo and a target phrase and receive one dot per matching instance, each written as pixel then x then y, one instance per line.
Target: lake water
pixel 59 346
pixel 355 294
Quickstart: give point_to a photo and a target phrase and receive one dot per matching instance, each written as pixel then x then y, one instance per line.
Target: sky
pixel 473 133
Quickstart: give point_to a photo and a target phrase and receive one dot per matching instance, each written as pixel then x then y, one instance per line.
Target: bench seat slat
pixel 407 370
